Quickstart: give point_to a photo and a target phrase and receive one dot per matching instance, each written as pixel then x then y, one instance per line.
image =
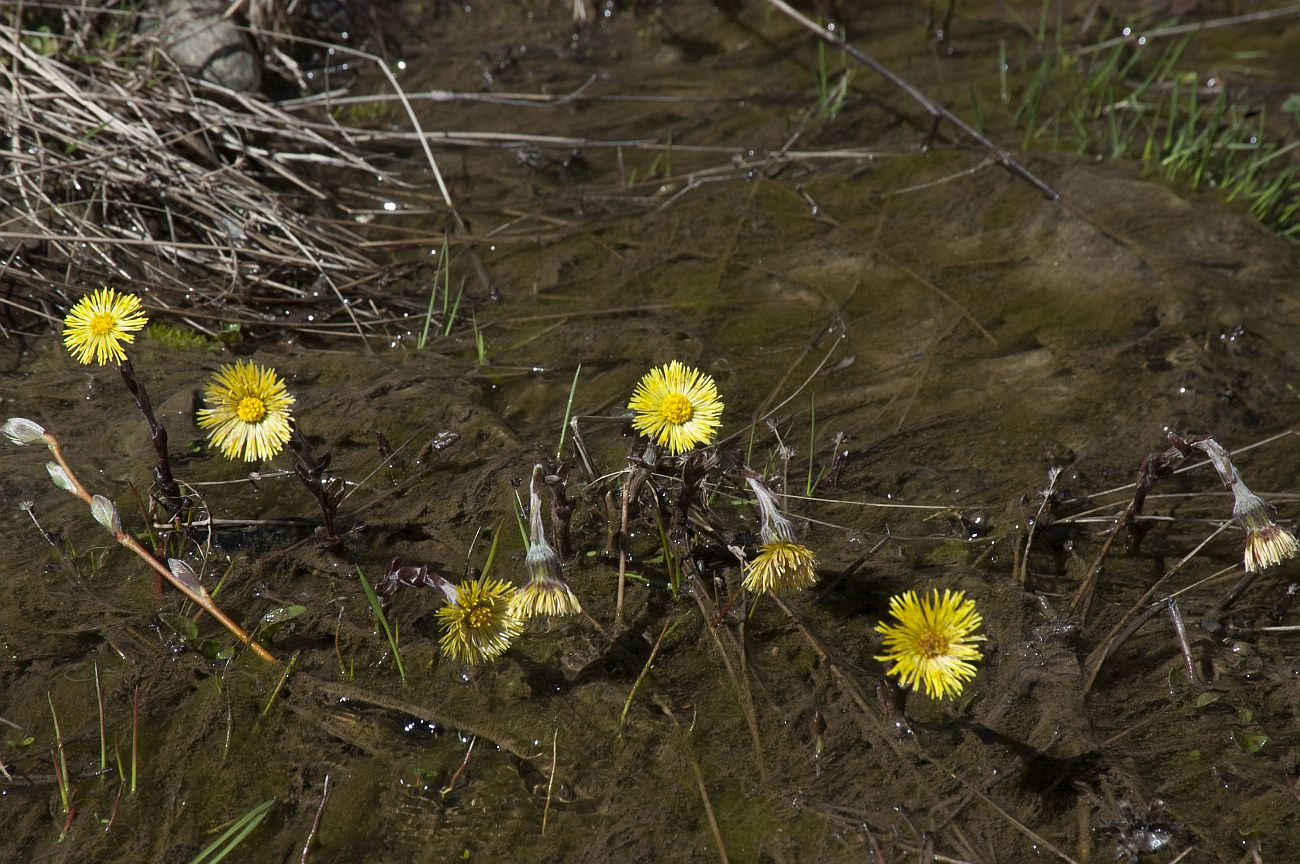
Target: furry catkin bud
pixel 60 477
pixel 20 430
pixel 105 513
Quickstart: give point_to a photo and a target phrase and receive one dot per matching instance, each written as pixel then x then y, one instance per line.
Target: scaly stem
pixel 171 493
pixel 328 493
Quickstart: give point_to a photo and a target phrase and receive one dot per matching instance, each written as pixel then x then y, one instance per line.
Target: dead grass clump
pixel 119 166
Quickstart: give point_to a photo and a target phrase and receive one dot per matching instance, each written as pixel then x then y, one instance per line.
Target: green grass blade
pixel 568 410
pixel 218 849
pixel 383 622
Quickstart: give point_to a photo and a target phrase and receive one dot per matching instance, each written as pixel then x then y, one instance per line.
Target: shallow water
pixel 964 332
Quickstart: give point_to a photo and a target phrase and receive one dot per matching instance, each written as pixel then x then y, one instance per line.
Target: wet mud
pixel 927 326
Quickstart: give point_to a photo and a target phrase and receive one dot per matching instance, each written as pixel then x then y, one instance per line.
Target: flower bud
pixel 20 430
pixel 60 477
pixel 105 513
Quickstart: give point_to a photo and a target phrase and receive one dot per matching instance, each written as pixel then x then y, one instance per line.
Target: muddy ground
pixel 966 334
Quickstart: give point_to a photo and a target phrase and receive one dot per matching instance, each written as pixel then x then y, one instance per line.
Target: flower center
pixel 251 409
pixel 676 408
pixel 102 324
pixel 932 645
pixel 480 616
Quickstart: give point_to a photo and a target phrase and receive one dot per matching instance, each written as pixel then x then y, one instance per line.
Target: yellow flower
pixel 1267 543
pixel 782 564
pixel 546 592
pixel 1268 547
pixel 99 322
pixel 931 644
pixel 249 413
pixel 480 622
pixel 678 406
pixel 781 567
pixel 546 597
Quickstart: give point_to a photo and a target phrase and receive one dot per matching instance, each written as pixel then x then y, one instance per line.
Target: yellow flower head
pixel 248 415
pixel 545 597
pixel 781 567
pixel 1268 547
pixel 479 623
pixel 546 592
pixel 1267 543
pixel 677 406
pixel 98 324
pixel 931 644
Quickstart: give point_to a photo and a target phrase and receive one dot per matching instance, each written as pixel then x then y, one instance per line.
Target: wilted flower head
pixel 932 645
pixel 782 564
pixel 676 406
pixel 1267 543
pixel 98 324
pixel 546 592
pixel 248 413
pixel 478 621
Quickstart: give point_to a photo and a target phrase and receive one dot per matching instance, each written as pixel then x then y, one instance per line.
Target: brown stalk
pixel 1135 617
pixel 315 823
pixel 171 493
pixel 1154 466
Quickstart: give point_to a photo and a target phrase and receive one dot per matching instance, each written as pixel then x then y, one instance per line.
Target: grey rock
pixel 206 45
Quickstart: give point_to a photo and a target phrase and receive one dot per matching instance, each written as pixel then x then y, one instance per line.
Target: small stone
pixel 203 43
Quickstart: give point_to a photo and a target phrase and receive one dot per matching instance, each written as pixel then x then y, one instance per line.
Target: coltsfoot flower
pixel 248 415
pixel 932 645
pixel 1267 543
pixel 546 592
pixel 98 324
pixel 782 565
pixel 479 622
pixel 677 406
pixel 546 596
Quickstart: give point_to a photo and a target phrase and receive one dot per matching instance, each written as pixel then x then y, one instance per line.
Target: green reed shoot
pixel 383 622
pixel 103 730
pixel 135 737
pixel 218 849
pixel 568 410
pixel 831 97
pixel 480 345
pixel 812 443
pixel 443 270
pixel 519 520
pixel 671 564
pixel 449 314
pixel 492 550
pixel 61 766
pixel 279 685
